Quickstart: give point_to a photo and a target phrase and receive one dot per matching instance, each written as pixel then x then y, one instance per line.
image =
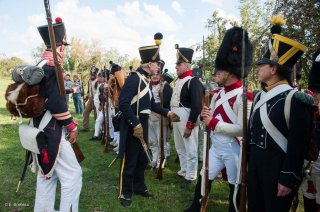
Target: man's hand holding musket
pixel 206 115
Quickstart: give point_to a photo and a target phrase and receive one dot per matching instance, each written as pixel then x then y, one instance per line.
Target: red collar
pixel 188 73
pixel 233 86
pixel 154 83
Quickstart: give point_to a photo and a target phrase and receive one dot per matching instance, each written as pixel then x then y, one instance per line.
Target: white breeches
pixel 154 138
pixel 68 171
pixel 187 148
pixel 99 122
pixel 224 155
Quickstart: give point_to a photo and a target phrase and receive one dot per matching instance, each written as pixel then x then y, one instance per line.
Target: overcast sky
pixel 121 24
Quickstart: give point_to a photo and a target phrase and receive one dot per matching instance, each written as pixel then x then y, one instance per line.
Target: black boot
pixel 196 205
pixel 231 205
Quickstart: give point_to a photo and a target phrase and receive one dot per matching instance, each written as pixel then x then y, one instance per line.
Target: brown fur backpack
pixel 23 97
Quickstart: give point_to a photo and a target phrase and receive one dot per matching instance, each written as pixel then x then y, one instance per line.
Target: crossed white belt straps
pixel 225 103
pixel 275 134
pixel 141 94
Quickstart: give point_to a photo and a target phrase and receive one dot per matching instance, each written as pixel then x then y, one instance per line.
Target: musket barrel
pixel 58 71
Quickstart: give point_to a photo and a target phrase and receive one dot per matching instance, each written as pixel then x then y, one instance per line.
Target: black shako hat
pixel 115 68
pixel 151 53
pixel 282 51
pixel 166 76
pixel 229 55
pixel 184 55
pixel 314 77
pixel 59 33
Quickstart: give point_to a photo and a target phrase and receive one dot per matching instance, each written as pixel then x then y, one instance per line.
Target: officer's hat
pixel 281 50
pixel 314 77
pixel 166 76
pixel 184 55
pixel 229 55
pixel 59 33
pixel 151 53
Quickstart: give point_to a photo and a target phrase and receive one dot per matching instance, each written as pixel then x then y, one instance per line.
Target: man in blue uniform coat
pixel 135 103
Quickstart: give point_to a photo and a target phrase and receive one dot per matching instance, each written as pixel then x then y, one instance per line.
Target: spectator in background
pixel 68 87
pixel 77 91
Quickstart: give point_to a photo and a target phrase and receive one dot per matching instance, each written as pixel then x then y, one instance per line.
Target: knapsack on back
pixel 23 97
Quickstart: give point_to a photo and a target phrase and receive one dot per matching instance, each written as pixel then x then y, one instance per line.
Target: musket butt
pixel 18 186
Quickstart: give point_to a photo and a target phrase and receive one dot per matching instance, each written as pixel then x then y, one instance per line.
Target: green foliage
pixel 304 29
pixel 255 17
pixel 37 52
pixel 6 64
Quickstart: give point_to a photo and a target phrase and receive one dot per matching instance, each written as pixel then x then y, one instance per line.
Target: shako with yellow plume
pixel 151 53
pixel 280 49
pixel 277 21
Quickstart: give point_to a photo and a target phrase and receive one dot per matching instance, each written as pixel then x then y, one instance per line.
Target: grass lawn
pixel 100 184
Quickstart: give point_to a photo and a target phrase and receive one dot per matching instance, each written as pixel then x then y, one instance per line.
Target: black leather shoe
pixel 144 194
pixel 94 138
pixel 125 202
pixel 185 183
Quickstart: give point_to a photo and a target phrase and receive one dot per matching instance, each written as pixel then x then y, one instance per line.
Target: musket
pixel 161 143
pixel 92 95
pixel 58 71
pixel 243 142
pixel 26 163
pixel 103 103
pixel 82 90
pixel 205 165
pixel 106 120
